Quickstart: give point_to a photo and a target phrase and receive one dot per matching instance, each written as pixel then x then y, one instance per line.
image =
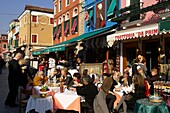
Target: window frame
pixel 32 38
pixel 67 3
pixel 51 21
pixel 4 46
pixel 59 5
pixel 32 18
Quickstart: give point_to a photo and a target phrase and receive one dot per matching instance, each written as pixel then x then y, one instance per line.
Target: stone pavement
pixel 3 93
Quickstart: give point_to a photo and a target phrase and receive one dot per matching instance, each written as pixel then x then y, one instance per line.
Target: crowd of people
pixel 100 92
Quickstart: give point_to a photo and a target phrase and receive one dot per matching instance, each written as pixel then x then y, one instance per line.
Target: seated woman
pixel 76 78
pixel 126 80
pixel 140 89
pixel 66 77
pixel 106 93
pixel 54 76
pixel 40 79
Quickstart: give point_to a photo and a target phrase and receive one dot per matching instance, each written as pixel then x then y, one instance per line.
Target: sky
pixel 11 9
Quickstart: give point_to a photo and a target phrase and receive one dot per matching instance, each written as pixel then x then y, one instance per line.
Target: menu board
pixel 96 68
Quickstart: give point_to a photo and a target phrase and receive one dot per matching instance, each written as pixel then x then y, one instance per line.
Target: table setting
pixel 43 95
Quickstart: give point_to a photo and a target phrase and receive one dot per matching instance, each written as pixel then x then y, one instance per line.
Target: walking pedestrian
pixel 2 63
pixel 13 80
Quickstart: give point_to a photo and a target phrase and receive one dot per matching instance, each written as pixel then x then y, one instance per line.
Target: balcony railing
pixel 131 11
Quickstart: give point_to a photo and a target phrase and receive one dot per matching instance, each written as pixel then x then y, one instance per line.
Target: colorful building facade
pixel 143 31
pixel 68 20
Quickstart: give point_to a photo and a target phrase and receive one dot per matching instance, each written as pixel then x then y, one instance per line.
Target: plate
pixel 74 86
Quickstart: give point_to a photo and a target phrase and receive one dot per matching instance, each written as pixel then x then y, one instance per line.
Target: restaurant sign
pixel 137 34
pixel 143 31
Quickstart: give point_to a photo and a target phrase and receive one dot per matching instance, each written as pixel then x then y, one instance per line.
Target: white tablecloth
pixel 68 100
pixel 39 104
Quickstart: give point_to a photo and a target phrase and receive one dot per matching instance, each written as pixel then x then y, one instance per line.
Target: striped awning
pixel 148 30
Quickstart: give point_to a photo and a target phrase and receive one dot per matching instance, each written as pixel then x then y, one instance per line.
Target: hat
pixel 138 67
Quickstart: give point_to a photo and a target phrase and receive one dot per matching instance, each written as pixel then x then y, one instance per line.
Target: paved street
pixel 4 92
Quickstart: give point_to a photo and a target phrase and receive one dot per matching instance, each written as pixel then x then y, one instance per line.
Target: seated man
pixel 88 90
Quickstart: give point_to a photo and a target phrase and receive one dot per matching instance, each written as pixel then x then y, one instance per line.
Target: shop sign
pixel 137 34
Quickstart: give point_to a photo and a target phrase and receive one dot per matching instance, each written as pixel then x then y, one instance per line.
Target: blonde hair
pixel 22 61
pixel 39 73
pixel 65 70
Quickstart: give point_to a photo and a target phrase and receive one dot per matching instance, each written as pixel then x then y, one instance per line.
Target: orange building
pixel 68 20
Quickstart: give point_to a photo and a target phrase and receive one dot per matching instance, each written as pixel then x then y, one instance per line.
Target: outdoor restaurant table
pixel 145 106
pixel 40 104
pixel 68 100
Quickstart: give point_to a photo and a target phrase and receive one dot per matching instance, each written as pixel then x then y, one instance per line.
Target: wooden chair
pixel 23 98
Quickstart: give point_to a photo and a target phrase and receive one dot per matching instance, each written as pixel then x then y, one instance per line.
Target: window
pixel 34 18
pixel 59 20
pixel 60 5
pixel 67 16
pixel 136 4
pixel 59 31
pixel 75 12
pixel 67 2
pixel 3 37
pixel 74 27
pixel 64 17
pixel 89 18
pixel 51 20
pixel 4 46
pixel 66 28
pixel 34 38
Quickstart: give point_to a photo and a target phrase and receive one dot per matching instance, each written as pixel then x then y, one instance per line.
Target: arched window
pixel 59 20
pixel 75 12
pixel 67 16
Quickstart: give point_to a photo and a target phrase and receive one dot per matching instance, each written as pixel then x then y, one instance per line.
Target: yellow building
pixel 36 28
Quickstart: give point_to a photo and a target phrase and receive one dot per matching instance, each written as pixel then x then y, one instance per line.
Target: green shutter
pixel 164 25
pixel 16 43
pixel 91 13
pixel 112 6
pixel 4 46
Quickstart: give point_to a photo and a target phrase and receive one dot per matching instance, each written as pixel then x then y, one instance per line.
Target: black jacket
pixel 89 91
pixel 15 73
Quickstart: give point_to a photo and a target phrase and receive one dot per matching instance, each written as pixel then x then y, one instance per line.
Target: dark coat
pixel 151 80
pixel 67 81
pixel 14 78
pixel 89 91
pixel 139 94
pixel 15 72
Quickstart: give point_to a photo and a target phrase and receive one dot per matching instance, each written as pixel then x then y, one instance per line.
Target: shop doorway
pixel 151 54
pixel 129 53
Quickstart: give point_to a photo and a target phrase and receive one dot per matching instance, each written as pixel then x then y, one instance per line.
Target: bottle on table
pixel 61 86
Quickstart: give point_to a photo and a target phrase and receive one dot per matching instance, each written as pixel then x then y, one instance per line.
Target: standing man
pixel 13 80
